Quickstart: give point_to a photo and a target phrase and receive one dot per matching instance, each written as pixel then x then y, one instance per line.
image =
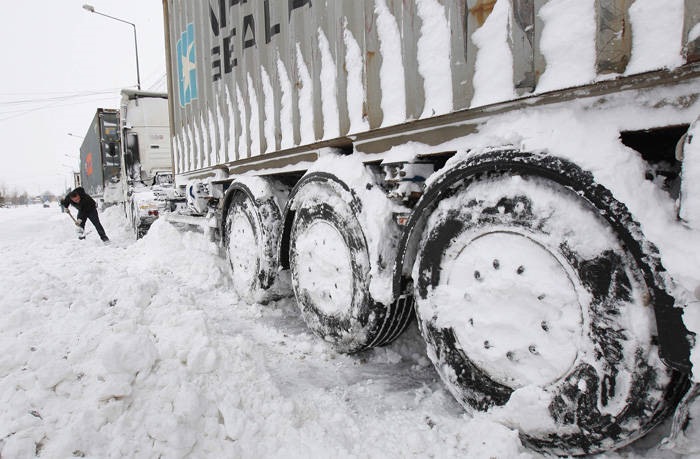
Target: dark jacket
pixel 86 203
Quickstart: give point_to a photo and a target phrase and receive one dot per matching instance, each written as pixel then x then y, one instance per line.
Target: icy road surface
pixel 140 349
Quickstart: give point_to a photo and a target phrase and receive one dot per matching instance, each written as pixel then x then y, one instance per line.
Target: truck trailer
pixel 99 157
pixel 522 177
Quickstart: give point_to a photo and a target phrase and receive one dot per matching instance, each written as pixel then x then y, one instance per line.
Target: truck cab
pixel 146 162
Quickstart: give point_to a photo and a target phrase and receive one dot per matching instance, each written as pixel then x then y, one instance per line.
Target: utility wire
pixel 50 106
pixel 51 99
pixel 68 92
pixel 158 82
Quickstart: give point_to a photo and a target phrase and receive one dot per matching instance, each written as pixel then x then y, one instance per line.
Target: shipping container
pixel 99 156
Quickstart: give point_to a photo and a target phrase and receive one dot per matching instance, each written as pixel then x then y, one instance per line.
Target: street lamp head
pixel 91 9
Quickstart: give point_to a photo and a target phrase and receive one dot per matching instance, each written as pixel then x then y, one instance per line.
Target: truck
pixel 145 159
pixel 520 177
pixel 99 157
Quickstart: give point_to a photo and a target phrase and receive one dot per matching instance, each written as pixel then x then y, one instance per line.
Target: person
pixel 87 209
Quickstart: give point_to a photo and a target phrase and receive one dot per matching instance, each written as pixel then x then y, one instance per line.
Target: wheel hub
pixel 242 252
pixel 520 319
pixel 324 267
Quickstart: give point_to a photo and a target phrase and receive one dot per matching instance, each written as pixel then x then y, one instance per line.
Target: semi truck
pixel 518 176
pixel 146 164
pixel 99 157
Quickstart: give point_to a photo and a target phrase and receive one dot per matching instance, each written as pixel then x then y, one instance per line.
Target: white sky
pixel 54 52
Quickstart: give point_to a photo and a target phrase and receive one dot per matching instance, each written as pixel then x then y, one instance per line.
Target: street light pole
pixel 91 9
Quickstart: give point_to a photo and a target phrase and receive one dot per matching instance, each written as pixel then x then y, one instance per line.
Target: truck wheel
pixel 134 224
pixel 250 247
pixel 330 268
pixel 525 291
pixel 139 230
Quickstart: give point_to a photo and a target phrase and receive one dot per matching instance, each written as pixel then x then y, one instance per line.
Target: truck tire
pixel 330 266
pixel 251 247
pixel 525 290
pixel 138 229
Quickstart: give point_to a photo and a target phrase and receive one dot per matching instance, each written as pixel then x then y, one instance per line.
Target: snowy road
pixel 139 349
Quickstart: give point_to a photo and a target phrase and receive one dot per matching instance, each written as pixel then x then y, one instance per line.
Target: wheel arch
pixel 674 345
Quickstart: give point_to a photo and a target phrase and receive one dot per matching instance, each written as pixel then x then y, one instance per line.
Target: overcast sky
pixel 59 64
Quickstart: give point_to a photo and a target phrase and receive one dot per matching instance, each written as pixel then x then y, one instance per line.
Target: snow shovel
pixel 79 229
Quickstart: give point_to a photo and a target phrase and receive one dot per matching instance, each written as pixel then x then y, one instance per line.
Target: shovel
pixel 77 223
pixel 79 229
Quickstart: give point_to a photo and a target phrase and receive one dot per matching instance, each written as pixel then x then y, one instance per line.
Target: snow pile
pixel 139 349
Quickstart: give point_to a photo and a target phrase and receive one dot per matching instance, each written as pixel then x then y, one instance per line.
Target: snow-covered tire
pixel 250 240
pixel 330 270
pixel 139 230
pixel 527 293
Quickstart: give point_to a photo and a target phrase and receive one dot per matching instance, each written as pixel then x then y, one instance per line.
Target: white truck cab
pixel 146 158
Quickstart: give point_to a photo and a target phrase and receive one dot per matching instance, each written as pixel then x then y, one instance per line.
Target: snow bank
pixel 139 349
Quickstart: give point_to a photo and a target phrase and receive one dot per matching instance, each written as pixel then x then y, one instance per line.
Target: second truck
pixel 146 164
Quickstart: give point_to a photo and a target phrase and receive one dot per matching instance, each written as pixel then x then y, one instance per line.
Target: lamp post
pixel 91 9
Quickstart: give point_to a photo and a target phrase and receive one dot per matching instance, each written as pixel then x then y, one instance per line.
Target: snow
pixel 434 58
pixel 329 92
pixel 178 365
pixel 254 119
pixel 141 349
pixel 355 90
pixel 231 146
pixel 332 274
pixel 571 61
pixel 286 124
pixel 306 95
pixel 242 151
pixel 391 74
pixel 656 38
pixel 269 107
pixel 493 77
pixel 694 33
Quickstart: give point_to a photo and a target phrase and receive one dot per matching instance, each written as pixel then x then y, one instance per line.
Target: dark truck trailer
pixel 99 156
pixel 522 177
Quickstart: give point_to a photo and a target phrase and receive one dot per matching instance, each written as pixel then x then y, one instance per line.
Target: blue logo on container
pixel 186 66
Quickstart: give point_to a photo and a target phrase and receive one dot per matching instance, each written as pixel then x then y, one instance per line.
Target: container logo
pixel 88 164
pixel 186 66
